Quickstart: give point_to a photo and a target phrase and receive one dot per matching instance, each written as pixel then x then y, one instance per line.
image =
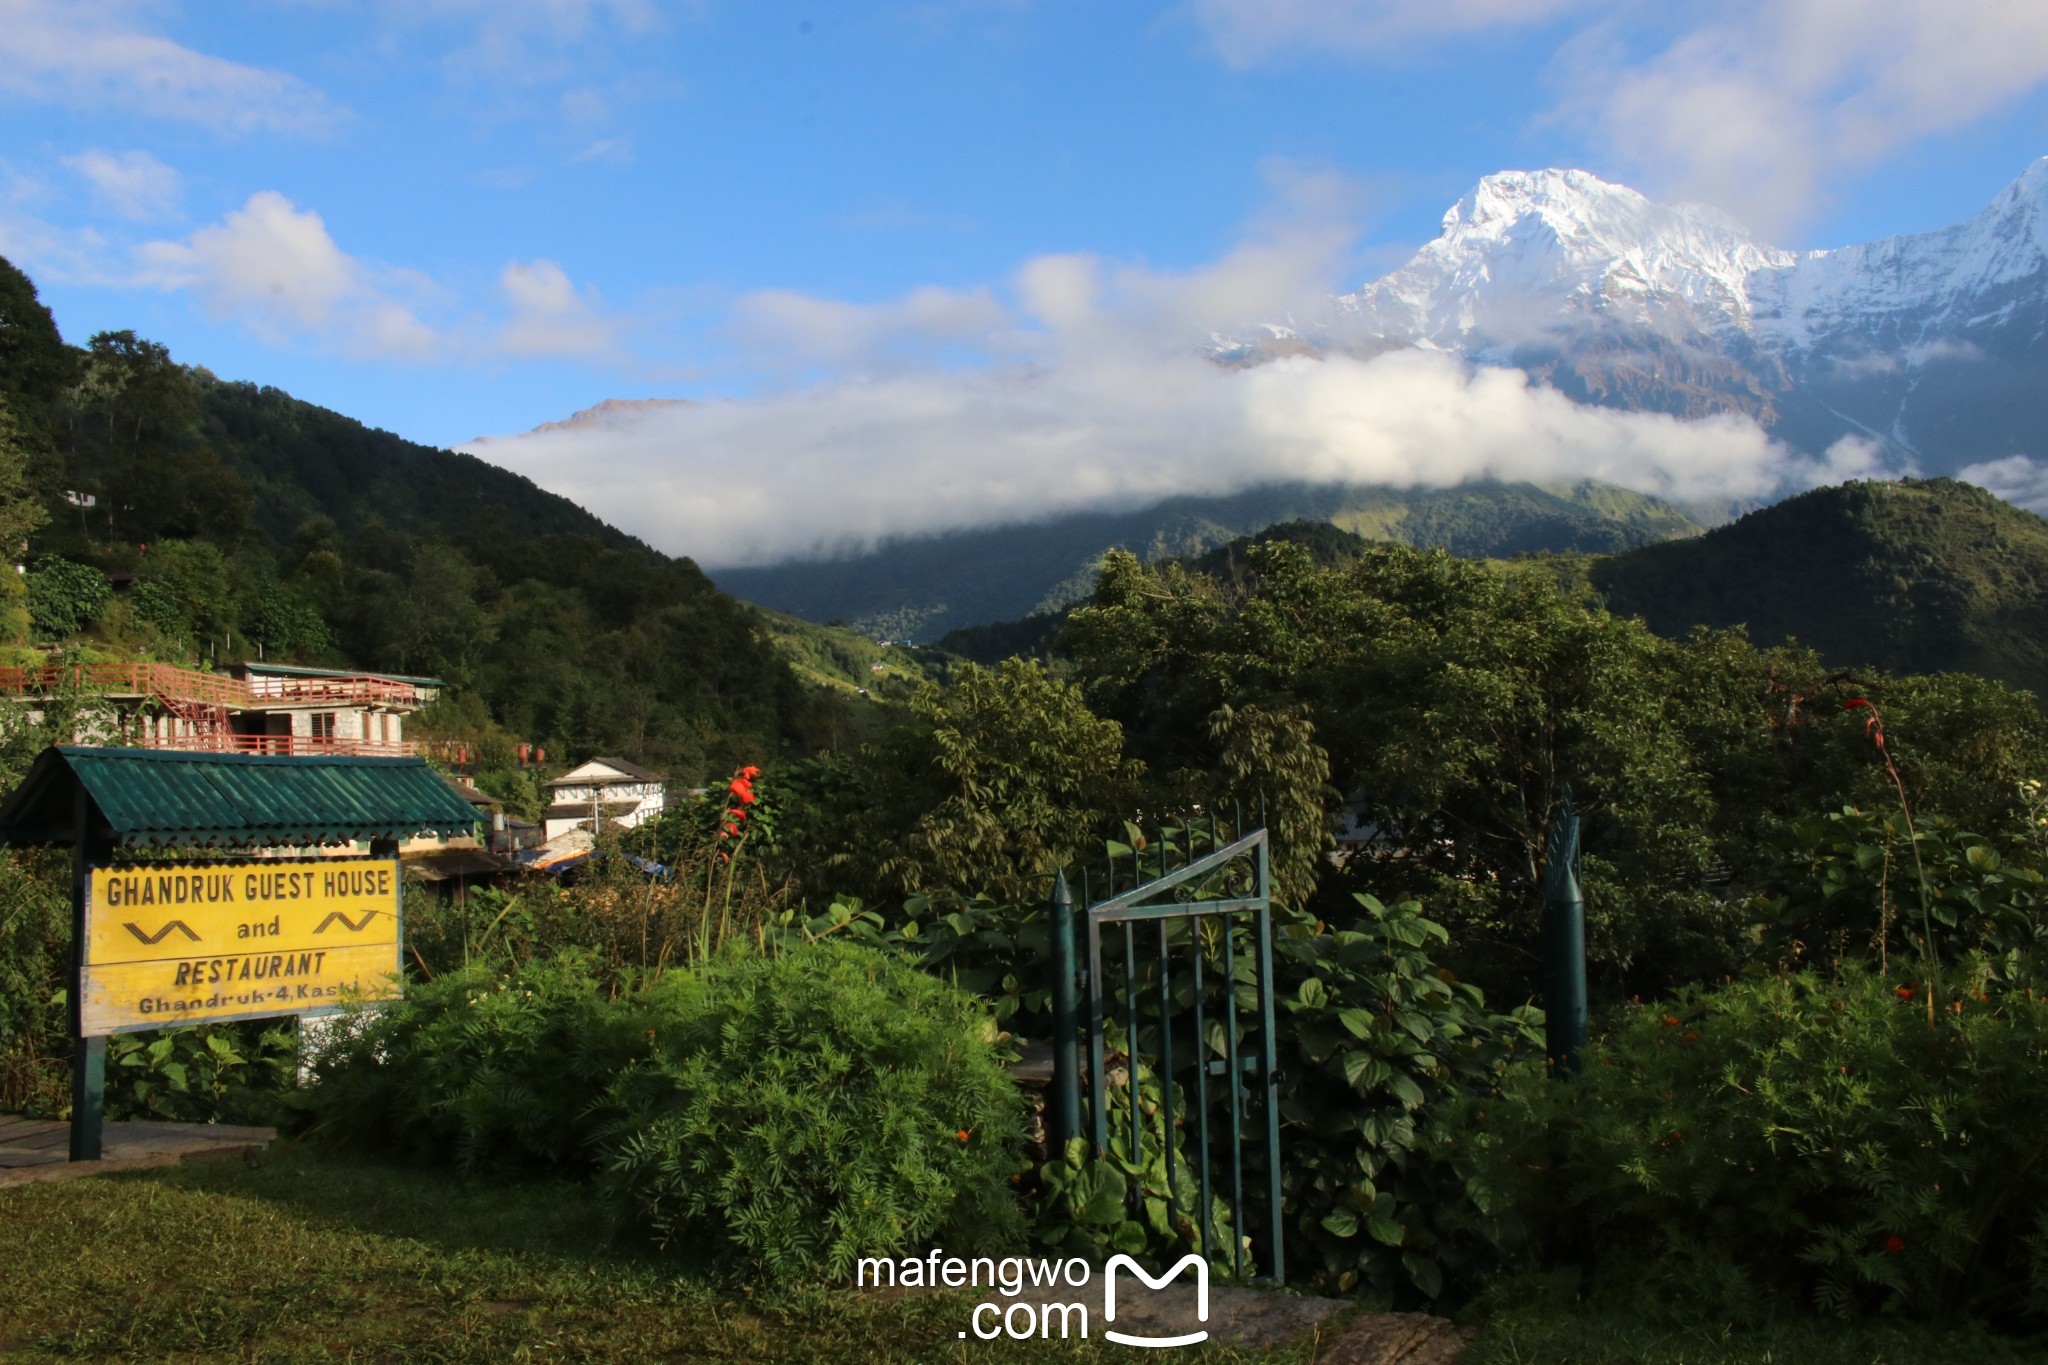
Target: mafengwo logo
pixel 1029 1286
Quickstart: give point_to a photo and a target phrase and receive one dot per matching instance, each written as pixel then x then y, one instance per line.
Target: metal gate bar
pixel 1127 909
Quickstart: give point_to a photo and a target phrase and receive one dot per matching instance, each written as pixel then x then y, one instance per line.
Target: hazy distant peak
pixel 611 414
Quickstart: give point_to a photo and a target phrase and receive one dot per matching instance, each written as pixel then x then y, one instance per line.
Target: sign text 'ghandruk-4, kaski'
pixel 171 943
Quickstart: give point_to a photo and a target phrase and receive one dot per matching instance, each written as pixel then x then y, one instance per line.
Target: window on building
pixel 323 725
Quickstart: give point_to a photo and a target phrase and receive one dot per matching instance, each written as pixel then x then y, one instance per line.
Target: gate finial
pixel 1066 1021
pixel 1564 941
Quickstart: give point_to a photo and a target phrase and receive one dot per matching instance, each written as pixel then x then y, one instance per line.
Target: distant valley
pixel 919 589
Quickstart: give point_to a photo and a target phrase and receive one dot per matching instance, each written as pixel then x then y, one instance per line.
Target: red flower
pixel 1670 1021
pixel 750 772
pixel 742 791
pixel 1894 1245
pixel 1873 724
pixel 1904 992
pixel 962 1135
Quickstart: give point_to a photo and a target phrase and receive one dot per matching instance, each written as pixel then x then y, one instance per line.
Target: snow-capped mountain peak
pixel 1529 249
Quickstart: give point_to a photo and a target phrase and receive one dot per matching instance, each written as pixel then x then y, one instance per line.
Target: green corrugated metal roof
pixel 171 797
pixel 300 671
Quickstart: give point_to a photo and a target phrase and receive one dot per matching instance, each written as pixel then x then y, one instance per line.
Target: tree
pixel 1003 779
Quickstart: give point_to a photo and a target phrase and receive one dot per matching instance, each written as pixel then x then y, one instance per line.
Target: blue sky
pixel 457 217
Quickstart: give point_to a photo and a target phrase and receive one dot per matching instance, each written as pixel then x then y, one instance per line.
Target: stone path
pixel 40 1149
pixel 1255 1318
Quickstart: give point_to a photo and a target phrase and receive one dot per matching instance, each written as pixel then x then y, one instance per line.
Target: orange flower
pixel 1904 992
pixel 1670 1021
pixel 962 1135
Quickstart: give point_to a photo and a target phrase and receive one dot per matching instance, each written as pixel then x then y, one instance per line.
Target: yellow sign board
pixel 186 943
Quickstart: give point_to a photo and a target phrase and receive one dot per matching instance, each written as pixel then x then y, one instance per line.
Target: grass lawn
pixel 319 1258
pixel 1551 1338
pixel 314 1258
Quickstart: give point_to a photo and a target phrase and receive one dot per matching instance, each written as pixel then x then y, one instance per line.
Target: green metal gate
pixel 1179 965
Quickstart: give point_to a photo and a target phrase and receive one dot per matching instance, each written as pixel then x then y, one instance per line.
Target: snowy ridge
pixel 1530 249
pixel 1531 253
pixel 1915 290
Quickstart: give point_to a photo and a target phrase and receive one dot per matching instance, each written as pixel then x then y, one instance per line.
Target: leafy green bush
pixel 1122 1204
pixel 494 1069
pixel 1797 1141
pixel 64 598
pixel 35 953
pixel 1852 885
pixel 230 1073
pixel 158 605
pixel 805 1109
pixel 1377 1046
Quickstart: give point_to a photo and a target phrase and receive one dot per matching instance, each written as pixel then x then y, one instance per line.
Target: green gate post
pixel 88 1055
pixel 1564 943
pixel 1066 1023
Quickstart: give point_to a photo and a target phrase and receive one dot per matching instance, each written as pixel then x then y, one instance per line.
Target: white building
pixel 600 791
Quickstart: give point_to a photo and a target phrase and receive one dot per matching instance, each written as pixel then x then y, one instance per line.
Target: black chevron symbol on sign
pixel 161 934
pixel 354 927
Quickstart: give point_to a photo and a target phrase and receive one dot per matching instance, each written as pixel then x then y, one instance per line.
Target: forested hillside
pixel 921 588
pixel 1921 576
pixel 253 521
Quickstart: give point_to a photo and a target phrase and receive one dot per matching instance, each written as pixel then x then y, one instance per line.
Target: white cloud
pixel 1081 385
pixel 1752 105
pixel 131 185
pixel 549 317
pixel 617 151
pixel 1757 108
pixel 86 56
pixel 783 329
pixel 273 267
pixel 1247 32
pixel 534 42
pixel 2016 478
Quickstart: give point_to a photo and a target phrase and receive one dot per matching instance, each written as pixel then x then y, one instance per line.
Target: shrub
pixel 1865 886
pixel 1377 1046
pixel 493 1068
pixel 228 1073
pixel 1826 1143
pixel 805 1109
pixel 35 952
pixel 64 598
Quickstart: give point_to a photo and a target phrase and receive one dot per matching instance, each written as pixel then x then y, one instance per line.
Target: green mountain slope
pixel 1912 577
pixel 250 520
pixel 922 588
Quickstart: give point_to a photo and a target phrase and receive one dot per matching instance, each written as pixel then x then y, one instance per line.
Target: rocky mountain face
pixel 1931 347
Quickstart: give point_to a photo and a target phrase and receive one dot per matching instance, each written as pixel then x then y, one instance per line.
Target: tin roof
pixel 633 772
pixel 299 671
pixel 172 797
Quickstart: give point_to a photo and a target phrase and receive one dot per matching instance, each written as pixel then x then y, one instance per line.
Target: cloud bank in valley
pixel 1084 385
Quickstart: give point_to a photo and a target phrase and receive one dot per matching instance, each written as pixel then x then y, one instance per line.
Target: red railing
pixel 302 745
pixel 162 680
pixel 362 691
pixel 212 689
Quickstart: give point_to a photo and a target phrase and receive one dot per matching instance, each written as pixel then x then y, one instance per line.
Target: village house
pixel 604 790
pixel 247 708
